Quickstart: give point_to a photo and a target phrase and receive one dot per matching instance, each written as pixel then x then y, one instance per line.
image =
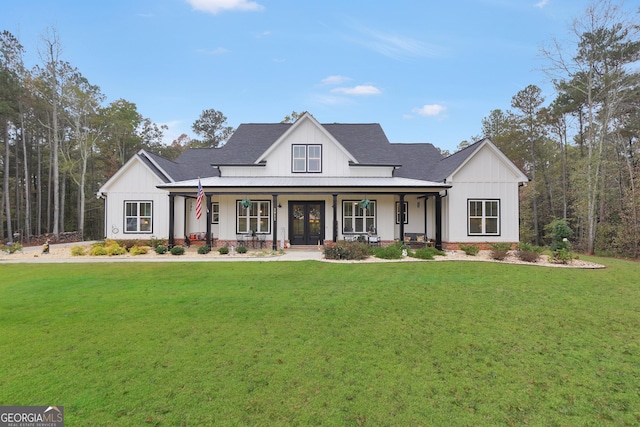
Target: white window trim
pixel 483 217
pixel 245 213
pixel 406 212
pixel 138 217
pixel 307 158
pixel 370 212
pixel 215 213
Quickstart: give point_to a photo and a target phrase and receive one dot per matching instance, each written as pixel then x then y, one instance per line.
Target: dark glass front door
pixel 306 223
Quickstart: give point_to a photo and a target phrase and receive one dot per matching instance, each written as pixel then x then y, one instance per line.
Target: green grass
pixel 310 343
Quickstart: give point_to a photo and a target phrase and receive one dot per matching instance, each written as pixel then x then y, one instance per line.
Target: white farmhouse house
pixel 304 183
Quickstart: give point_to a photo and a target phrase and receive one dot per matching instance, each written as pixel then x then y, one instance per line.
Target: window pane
pixel 314 151
pixel 359 225
pixel 348 225
pixel 492 209
pixel 145 209
pixel 298 165
pixel 132 224
pixel 131 209
pixel 242 225
pixel 314 165
pixel 475 225
pixel 145 224
pixel 475 208
pixel 492 226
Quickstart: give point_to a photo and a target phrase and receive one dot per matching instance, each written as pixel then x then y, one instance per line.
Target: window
pixel 215 213
pixel 484 217
pixel 355 219
pixel 406 212
pixel 138 217
pixel 255 219
pixel 306 158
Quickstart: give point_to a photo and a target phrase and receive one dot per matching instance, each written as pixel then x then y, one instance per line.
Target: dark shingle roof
pixel 418 160
pixel 366 142
pixel 448 165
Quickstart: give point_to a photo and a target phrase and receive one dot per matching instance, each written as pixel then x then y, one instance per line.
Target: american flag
pixel 199 201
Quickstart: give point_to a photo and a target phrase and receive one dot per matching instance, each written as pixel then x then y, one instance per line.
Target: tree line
pixel 579 146
pixel 60 143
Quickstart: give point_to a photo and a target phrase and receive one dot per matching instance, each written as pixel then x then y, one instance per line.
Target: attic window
pixel 306 158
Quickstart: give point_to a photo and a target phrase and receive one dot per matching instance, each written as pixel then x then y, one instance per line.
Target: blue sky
pixel 426 71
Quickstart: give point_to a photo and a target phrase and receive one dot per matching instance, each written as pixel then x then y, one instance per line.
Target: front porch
pixel 282 218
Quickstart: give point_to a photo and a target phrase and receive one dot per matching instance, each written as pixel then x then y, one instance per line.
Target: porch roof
pixel 309 183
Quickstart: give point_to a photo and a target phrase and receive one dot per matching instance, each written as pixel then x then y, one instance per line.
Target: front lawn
pixel 311 343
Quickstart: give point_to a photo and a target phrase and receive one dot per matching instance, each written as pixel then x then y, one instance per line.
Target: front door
pixel 306 223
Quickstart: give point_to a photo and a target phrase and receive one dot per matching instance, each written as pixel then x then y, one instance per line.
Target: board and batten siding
pixel 136 183
pixel 484 176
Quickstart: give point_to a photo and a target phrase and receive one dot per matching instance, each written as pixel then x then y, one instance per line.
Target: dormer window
pixel 306 158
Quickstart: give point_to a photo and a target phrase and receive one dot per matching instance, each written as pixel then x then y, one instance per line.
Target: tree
pixel 528 101
pixel 10 69
pixel 605 45
pixel 211 127
pixel 292 117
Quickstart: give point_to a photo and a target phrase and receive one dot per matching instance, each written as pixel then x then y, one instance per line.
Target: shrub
pixel 499 251
pixel 389 252
pixel 98 250
pixel 78 251
pixel 113 248
pixel 426 253
pixel 562 256
pixel 471 249
pixel 346 250
pixel 242 249
pixel 223 250
pixel 177 250
pixel 559 232
pixel 203 250
pixel 11 248
pixel 161 249
pixel 138 250
pixel 528 253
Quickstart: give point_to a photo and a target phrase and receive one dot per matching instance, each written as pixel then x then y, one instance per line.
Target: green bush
pixel 203 250
pixel 177 250
pixel 242 249
pixel 138 250
pixel 78 250
pixel 528 253
pixel 98 250
pixel 562 256
pixel 426 253
pixel 115 249
pixel 161 249
pixel 347 250
pixel 389 252
pixel 12 248
pixel 223 250
pixel 471 249
pixel 559 232
pixel 499 251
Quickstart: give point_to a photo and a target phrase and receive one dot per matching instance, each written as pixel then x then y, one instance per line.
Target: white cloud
pixel 430 110
pixel 335 80
pixel 216 6
pixel 541 4
pixel 216 51
pixel 358 90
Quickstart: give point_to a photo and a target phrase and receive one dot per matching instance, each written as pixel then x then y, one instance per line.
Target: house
pixel 304 183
